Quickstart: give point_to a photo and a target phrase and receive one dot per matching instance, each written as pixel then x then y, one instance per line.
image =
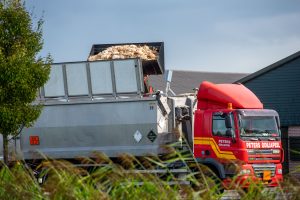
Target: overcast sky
pixel 211 35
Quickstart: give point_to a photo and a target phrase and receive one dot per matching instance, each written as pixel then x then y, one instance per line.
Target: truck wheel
pixel 214 180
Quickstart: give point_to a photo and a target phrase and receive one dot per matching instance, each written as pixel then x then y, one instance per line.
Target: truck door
pixel 223 134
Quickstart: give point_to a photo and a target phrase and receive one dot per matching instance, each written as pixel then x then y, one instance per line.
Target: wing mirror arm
pixel 230 133
pixel 233 137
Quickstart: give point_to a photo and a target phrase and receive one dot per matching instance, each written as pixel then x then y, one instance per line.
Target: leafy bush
pixel 126 178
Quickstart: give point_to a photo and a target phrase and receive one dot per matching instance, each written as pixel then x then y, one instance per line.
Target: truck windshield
pixel 258 126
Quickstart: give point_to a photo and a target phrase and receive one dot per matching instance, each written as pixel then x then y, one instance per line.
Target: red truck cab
pixel 234 135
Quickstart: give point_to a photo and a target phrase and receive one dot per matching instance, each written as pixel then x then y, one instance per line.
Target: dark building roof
pixel 278 87
pixel 273 66
pixel 186 81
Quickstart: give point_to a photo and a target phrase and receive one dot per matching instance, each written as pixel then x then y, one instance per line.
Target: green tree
pixel 22 72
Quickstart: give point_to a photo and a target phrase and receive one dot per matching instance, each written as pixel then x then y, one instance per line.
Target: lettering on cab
pixel 261 145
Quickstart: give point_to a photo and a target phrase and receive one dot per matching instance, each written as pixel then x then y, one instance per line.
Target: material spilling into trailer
pixel 126 51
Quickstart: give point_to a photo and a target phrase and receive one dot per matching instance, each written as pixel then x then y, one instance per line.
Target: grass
pixel 124 178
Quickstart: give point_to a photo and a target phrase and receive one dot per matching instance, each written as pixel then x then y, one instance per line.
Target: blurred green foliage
pixel 22 73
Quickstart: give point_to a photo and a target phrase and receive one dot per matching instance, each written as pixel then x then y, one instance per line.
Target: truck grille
pixel 264 151
pixel 263 158
pixel 263 154
pixel 260 151
pixel 259 170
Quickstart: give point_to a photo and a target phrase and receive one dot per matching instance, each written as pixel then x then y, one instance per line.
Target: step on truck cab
pixel 233 134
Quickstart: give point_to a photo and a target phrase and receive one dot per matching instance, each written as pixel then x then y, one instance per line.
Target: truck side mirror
pixel 168 76
pixel 228 123
pixel 230 133
pixel 228 120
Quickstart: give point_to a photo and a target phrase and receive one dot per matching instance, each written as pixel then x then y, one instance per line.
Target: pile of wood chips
pixel 126 51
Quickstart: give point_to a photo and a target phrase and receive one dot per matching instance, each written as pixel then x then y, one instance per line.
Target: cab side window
pixel 219 127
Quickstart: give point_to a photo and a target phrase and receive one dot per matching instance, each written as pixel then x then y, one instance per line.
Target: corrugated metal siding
pixel 294 139
pixel 294 169
pixel 294 131
pixel 279 89
pixel 285 146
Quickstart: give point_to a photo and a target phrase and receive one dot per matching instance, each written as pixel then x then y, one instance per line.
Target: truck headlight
pixel 245 172
pixel 276 151
pixel 250 151
pixel 279 171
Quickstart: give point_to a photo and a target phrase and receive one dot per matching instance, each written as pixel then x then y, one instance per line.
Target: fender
pixel 215 163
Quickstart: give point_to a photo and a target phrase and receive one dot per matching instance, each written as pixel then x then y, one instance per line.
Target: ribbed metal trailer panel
pixel 69 130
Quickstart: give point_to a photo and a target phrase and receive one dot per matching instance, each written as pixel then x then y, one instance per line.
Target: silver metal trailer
pixel 72 129
pixel 101 106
